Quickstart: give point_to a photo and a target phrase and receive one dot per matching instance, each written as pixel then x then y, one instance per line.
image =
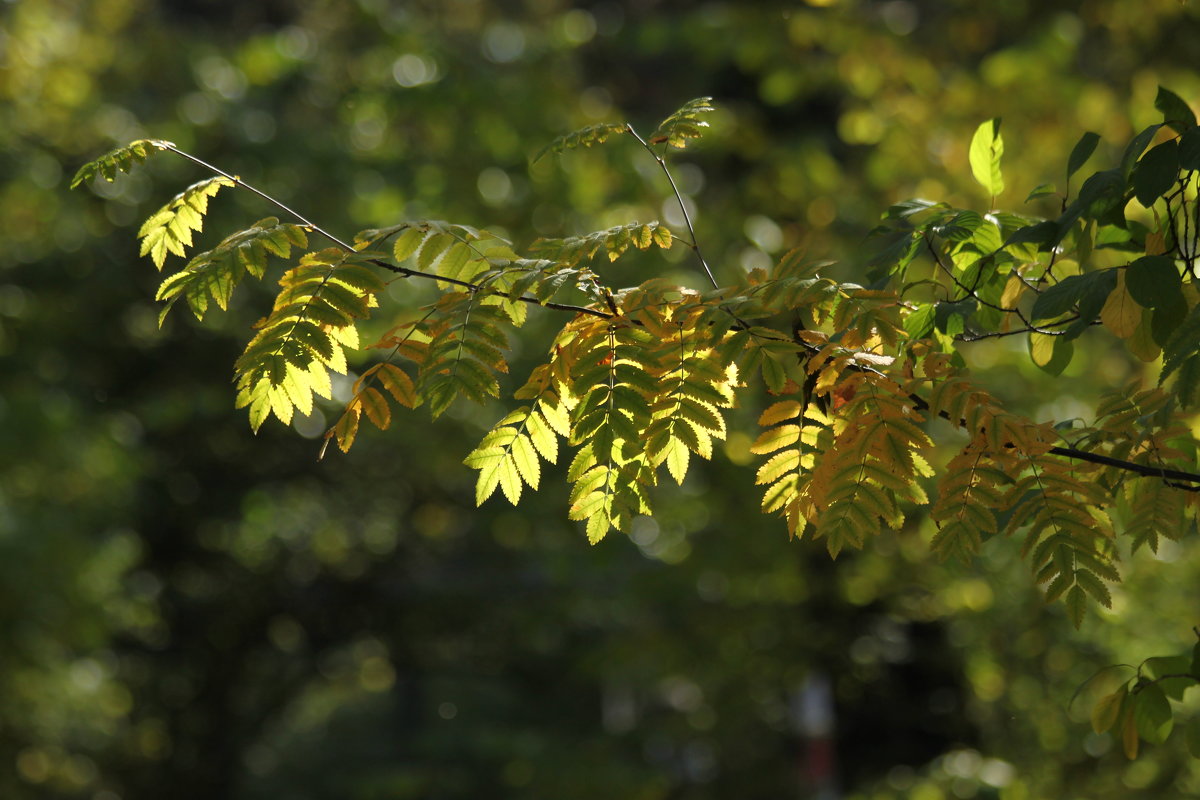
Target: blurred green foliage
pixel 190 611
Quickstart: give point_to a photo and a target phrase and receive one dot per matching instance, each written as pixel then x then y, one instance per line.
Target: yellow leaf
pixel 346 428
pixel 1012 292
pixel 677 460
pixel 778 412
pixel 398 384
pixel 1142 343
pixel 1041 348
pixel 1121 314
pixel 376 408
pixel 1155 244
pixel 1129 733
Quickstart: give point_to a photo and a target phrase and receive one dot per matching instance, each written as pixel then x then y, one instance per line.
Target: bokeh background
pixel 191 611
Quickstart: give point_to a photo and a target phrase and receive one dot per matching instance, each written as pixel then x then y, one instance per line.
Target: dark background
pixel 188 610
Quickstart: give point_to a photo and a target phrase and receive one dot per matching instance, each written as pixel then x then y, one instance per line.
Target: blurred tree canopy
pixel 192 611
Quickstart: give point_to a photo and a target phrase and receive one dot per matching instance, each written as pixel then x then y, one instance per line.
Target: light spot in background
pixel 577 26
pixel 218 75
pixel 689 178
pixel 763 232
pixel 673 216
pixel 411 70
pixel 495 187
pixel 447 711
pixel 258 126
pixel 44 170
pixel 376 674
pixel 644 531
pixel 821 212
pixel 752 258
pixel 198 108
pixel 286 634
pixel 860 126
pixel 900 17
pixel 296 42
pixel 503 42
pixel 595 102
pixel 310 426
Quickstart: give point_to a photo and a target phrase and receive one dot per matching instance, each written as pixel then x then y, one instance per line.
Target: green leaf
pixel 1193 737
pixel 1042 190
pixel 919 323
pixel 1156 668
pixel 1102 193
pixel 1135 148
pixel 1076 604
pixel 1175 111
pixel 1092 300
pixel 1189 149
pixel 584 137
pixel 987 146
pixel 1152 713
pixel 1082 152
pixel 1154 282
pixel 215 273
pixel 1165 324
pixel 1156 173
pixel 684 124
pixel 1038 233
pixel 122 159
pixel 1063 296
pixel 169 230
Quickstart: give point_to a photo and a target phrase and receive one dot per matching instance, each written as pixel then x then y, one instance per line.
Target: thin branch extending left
pixel 401 271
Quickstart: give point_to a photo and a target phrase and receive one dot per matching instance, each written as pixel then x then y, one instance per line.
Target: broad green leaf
pixel 1152 711
pixel 1166 321
pixel 1102 194
pixel 1082 152
pixel 1193 737
pixel 1160 666
pixel 1175 111
pixel 1063 296
pixel 1038 233
pixel 1135 148
pixel 1189 149
pixel 919 323
pixel 987 146
pixel 1154 281
pixel 1098 288
pixel 1156 173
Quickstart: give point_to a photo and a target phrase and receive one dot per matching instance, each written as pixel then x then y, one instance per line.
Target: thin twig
pixel 687 219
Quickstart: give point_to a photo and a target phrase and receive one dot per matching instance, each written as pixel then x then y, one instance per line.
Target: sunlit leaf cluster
pixel 864 385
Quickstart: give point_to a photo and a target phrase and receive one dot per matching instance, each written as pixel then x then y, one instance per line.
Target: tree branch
pixel 402 271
